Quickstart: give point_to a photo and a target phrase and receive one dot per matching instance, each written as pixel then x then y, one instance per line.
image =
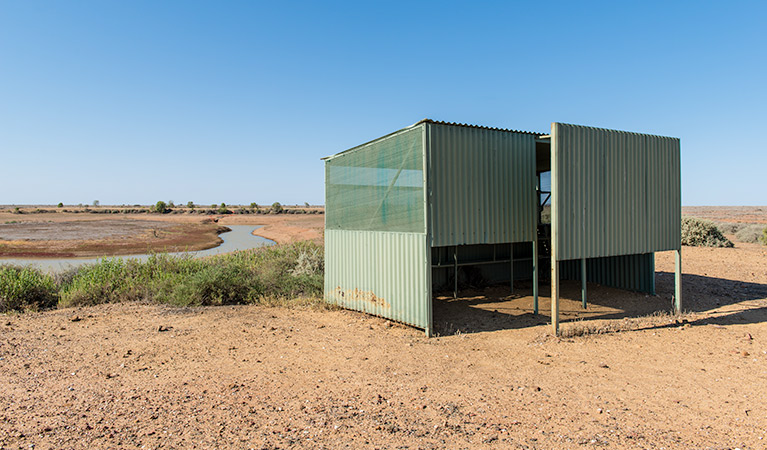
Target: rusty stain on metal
pixel 358 295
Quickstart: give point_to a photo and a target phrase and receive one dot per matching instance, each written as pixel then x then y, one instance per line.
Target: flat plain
pixel 147 376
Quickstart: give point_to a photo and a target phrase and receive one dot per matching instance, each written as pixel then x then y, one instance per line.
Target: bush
pixel 190 205
pixel 750 233
pixel 223 210
pixel 25 288
pixel 764 236
pixel 160 207
pixel 729 227
pixel 60 205
pixel 702 233
pixel 258 275
pixel 277 208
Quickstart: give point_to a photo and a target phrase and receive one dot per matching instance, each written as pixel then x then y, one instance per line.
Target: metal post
pixel 583 282
pixel 511 272
pixel 455 272
pixel 535 276
pixel 678 282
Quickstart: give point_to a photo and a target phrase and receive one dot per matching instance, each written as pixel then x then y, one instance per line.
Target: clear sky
pixel 236 101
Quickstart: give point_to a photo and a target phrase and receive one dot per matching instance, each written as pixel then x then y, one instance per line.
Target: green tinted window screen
pixel 378 186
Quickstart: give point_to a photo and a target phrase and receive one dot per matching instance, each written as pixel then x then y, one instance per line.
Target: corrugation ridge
pixel 392 266
pixel 480 186
pixel 465 125
pixel 617 192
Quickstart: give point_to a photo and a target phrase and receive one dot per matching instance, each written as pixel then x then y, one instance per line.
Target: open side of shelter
pixel 425 206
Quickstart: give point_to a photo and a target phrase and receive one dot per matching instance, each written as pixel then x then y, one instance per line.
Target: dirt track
pixel 261 377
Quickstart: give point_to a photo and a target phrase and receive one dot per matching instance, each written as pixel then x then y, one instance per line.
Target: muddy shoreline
pixel 66 235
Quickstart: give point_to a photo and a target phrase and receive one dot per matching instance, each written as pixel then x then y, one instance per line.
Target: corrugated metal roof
pixel 455 124
pixel 438 122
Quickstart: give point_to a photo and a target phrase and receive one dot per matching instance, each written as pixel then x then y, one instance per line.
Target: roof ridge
pixel 467 125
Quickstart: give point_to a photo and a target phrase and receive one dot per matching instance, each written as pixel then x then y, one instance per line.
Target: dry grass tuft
pixel 657 319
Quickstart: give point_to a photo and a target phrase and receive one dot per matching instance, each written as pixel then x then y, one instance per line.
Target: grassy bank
pixel 279 274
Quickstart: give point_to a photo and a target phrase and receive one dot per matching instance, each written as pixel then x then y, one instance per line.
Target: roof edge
pixel 429 121
pixel 467 125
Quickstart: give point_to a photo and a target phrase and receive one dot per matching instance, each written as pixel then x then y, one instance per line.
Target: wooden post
pixel 535 276
pixel 583 282
pixel 678 282
pixel 554 295
pixel 554 230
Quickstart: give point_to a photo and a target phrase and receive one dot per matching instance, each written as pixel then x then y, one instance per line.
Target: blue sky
pixel 138 101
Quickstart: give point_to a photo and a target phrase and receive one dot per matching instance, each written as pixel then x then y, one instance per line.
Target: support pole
pixel 455 272
pixel 678 282
pixel 511 271
pixel 535 276
pixel 583 282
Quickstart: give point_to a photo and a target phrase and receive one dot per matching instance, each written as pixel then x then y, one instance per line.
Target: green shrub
pixel 223 210
pixel 702 233
pixel 60 205
pixel 190 205
pixel 763 239
pixel 277 208
pixel 103 282
pixel 160 207
pixel 25 288
pixel 258 275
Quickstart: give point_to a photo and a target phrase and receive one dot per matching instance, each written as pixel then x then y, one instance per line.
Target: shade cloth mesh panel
pixel 378 186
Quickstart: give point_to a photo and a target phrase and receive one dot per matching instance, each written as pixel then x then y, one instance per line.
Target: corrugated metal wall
pixel 630 272
pixel 613 192
pixel 381 273
pixel 482 185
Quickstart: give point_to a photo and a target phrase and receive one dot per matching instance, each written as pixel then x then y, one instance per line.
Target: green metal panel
pixel 482 185
pixel 378 186
pixel 381 273
pixel 613 192
pixel 629 272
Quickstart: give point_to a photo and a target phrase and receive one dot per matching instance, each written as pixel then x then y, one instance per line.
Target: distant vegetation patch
pixel 751 233
pixel 702 233
pixel 282 274
pixel 744 232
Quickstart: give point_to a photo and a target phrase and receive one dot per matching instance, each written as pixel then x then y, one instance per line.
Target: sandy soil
pixel 144 376
pixel 283 228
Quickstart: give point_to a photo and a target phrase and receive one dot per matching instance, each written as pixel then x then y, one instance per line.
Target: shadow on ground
pixel 496 308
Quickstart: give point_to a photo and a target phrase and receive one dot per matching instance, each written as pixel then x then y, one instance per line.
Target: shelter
pixel 417 209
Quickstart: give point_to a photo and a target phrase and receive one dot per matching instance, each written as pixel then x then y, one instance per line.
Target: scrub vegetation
pixel 744 232
pixel 282 274
pixel 702 233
